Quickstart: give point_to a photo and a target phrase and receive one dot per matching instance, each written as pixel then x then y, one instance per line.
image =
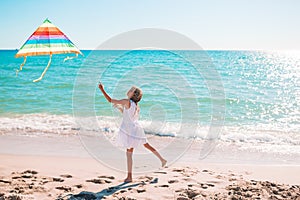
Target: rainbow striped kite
pixel 47 40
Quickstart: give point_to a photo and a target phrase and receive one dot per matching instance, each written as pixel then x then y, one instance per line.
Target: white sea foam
pixel 38 124
pixel 262 138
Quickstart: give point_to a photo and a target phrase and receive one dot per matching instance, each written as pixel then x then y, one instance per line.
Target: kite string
pixel 70 58
pixel 21 66
pixel 45 70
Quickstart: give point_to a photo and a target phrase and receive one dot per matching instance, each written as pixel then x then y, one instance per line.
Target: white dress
pixel 131 133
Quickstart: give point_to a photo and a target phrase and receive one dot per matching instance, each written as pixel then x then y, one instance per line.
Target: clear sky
pixel 213 24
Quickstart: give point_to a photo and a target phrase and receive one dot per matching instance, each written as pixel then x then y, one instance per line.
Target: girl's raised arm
pixel 124 102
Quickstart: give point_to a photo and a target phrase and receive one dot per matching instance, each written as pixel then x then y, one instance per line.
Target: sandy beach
pixel 60 168
pixel 214 86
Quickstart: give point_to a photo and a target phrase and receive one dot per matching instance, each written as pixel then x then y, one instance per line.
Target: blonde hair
pixel 137 95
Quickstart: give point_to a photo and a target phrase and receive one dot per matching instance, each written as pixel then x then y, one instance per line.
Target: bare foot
pixel 128 180
pixel 163 163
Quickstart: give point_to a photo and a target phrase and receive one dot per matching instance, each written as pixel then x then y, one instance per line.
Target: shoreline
pixel 265 140
pixel 188 150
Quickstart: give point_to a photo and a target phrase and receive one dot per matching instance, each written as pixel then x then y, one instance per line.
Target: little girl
pixel 131 134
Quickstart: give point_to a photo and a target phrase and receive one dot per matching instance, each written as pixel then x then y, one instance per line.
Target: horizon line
pixel 153 49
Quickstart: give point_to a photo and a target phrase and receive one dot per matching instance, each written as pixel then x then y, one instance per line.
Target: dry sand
pixel 67 176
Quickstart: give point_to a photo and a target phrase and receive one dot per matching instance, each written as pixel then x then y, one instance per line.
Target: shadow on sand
pixel 85 195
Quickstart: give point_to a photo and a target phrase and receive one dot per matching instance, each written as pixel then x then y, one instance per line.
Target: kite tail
pixel 21 66
pixel 70 58
pixel 45 70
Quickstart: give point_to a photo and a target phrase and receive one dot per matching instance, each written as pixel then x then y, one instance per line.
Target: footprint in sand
pixel 108 177
pixel 178 170
pixel 27 176
pixel 78 186
pixel 206 185
pixel 30 172
pixel 44 182
pixel 141 190
pixel 145 178
pixel 101 180
pixel 64 188
pixel 185 174
pixel 5 181
pixel 220 177
pixel 122 191
pixel 160 172
pixel 163 185
pixel 58 179
pixel 66 176
pixel 16 177
pixel 186 194
pixel 37 188
pixel 188 179
pixel 173 181
pixel 96 181
pixel 14 197
pixel 215 182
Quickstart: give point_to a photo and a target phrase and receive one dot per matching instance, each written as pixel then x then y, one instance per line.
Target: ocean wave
pixel 38 124
pixel 263 137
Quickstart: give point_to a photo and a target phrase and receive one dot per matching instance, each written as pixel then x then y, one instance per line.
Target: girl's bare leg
pixel 162 160
pixel 129 165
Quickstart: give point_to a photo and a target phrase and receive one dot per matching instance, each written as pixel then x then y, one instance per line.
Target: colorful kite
pixel 47 40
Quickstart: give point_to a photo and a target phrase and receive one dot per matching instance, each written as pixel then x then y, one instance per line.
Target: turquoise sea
pixel 260 90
